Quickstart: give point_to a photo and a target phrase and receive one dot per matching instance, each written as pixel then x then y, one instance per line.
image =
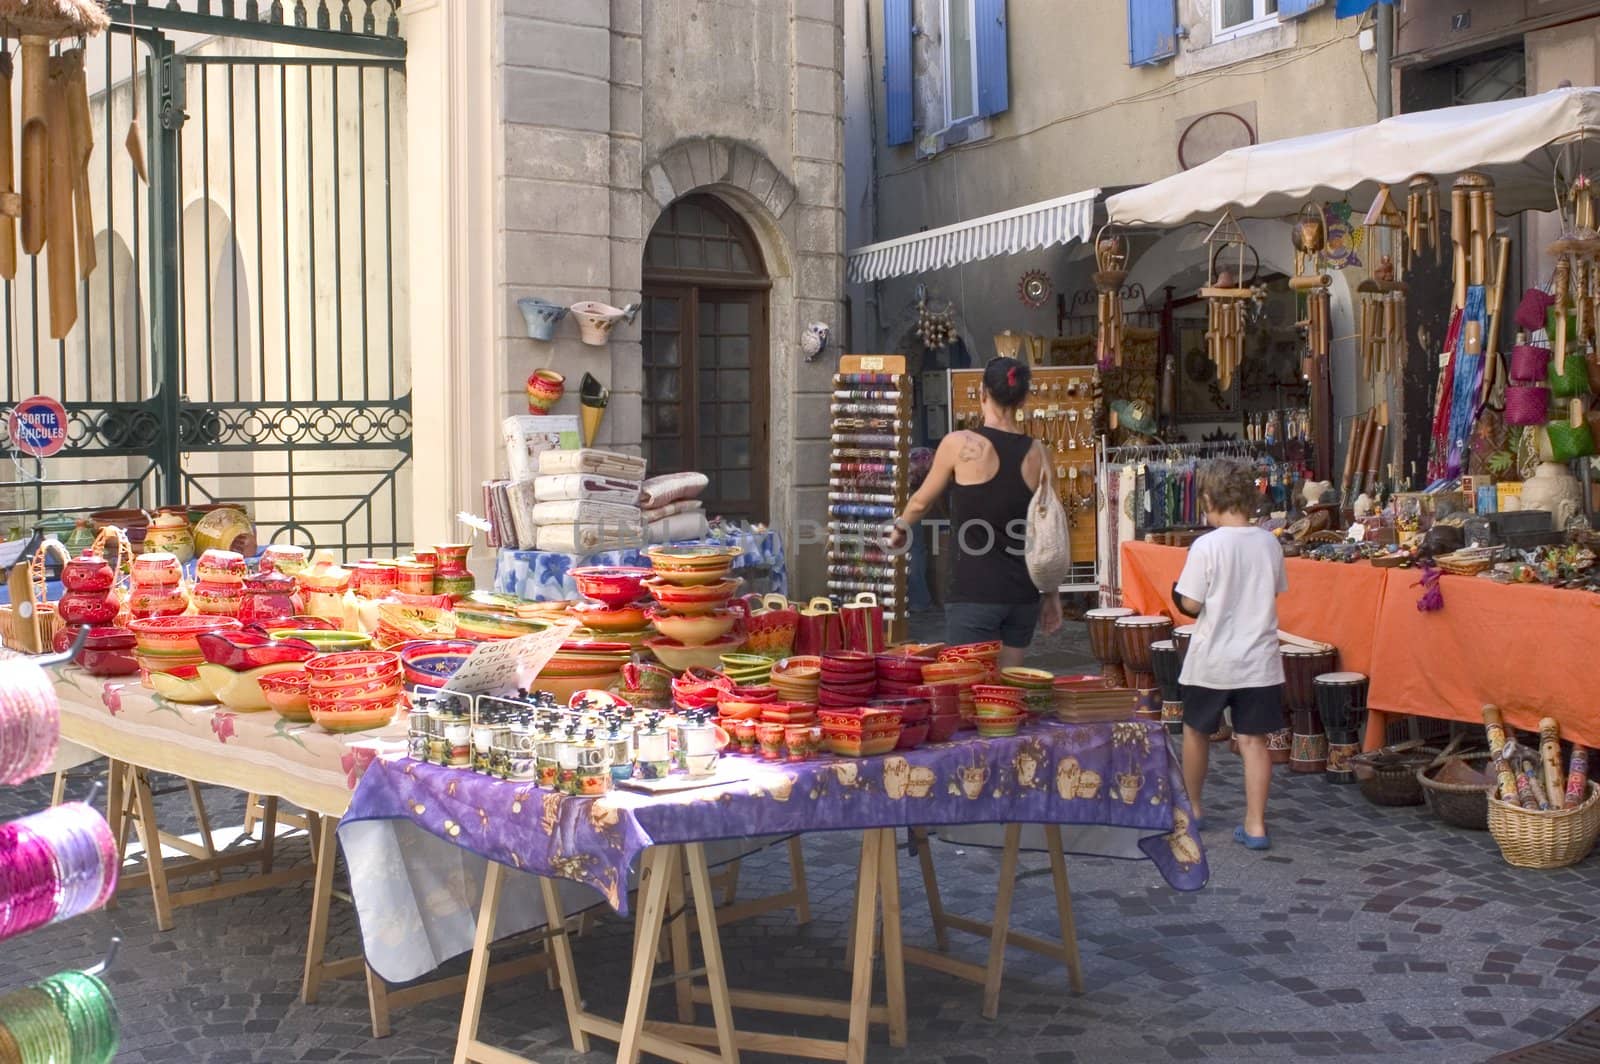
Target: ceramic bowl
pixel 158 635
pixel 697 629
pixel 349 716
pixel 431 662
pixel 251 648
pixel 846 743
pixel 587 658
pixel 288 694
pixel 756 692
pixel 953 672
pixel 598 617
pixel 740 709
pixel 802 669
pixel 352 667
pixel 399 622
pixel 1027 679
pixel 327 641
pixel 902 668
pixel 242 691
pixel 941 726
pixel 692 556
pixel 789 712
pixel 611 585
pixel 677 657
pixel 697 599
pixel 484 626
pixel 913 734
pixel 181 684
pixel 1000 727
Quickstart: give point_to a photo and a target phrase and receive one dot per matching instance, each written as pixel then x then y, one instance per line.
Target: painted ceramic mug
pixel 545 388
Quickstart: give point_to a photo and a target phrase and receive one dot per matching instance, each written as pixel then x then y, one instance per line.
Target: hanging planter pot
pixel 596 320
pixel 541 318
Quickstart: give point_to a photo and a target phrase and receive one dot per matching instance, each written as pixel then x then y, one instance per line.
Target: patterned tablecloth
pixel 542 576
pixel 258 752
pixel 1118 776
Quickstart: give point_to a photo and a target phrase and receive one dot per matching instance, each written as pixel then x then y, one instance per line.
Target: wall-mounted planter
pixel 540 317
pixel 596 320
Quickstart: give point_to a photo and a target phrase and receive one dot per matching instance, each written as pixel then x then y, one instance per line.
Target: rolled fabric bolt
pixel 1550 755
pixel 1508 781
pixel 1578 777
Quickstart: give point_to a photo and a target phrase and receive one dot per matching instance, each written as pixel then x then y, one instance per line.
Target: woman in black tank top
pixel 991 473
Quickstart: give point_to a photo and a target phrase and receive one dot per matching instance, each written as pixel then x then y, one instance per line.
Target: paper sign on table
pixel 510 664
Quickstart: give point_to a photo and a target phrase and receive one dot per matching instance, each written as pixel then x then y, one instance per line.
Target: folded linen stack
pixel 583 501
pixel 672 508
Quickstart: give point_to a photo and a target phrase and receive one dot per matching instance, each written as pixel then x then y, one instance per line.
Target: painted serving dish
pixel 693 630
pixel 431 662
pixel 398 623
pixel 1000 727
pixel 353 667
pixel 483 626
pixel 598 617
pixel 241 691
pixel 251 648
pixel 166 644
pixel 701 598
pixel 181 683
pixel 677 657
pixel 689 564
pixel 288 694
pixel 326 640
pixel 611 585
pixel 860 732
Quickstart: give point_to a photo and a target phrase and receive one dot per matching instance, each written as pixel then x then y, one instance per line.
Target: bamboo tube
pixel 1479 248
pixel 8 178
pixel 81 127
pixel 1491 368
pixel 35 142
pixel 1488 213
pixel 1379 435
pixel 1550 754
pixel 1352 455
pixel 1310 281
pixel 58 208
pixel 1561 292
pixel 1433 224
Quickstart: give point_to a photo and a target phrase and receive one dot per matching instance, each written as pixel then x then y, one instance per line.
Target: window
pixel 960 62
pixel 1235 18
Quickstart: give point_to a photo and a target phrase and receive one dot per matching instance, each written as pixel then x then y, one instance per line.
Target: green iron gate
pixel 242 337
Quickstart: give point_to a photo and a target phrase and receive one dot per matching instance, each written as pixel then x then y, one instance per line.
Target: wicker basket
pixel 1462 805
pixel 1389 776
pixel 49 620
pixel 1551 839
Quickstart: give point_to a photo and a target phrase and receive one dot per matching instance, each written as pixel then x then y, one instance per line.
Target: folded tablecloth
pixel 586 486
pixel 588 460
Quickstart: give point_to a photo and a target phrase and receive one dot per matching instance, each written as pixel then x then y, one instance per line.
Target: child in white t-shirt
pixel 1230 582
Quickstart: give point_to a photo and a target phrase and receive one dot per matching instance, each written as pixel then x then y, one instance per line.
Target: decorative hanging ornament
pixel 1226 297
pixel 1310 239
pixel 1111 270
pixel 1034 289
pixel 1422 219
pixel 1344 237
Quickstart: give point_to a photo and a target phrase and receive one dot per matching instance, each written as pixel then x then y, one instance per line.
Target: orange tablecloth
pixel 1520 648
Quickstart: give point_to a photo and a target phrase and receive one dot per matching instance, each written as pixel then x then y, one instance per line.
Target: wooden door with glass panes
pixel 705 356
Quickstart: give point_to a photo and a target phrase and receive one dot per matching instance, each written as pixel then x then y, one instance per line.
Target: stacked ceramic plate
pixel 747 670
pixel 899 672
pixel 798 679
pixel 1036 685
pixel 354 690
pixel 998 710
pixel 582 664
pixel 849 679
pixel 617 613
pixel 171 646
pixel 986 654
pixel 692 565
pixel 965 675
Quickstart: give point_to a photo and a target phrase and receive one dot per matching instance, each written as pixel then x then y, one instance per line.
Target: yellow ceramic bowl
pixel 695 630
pixel 175 687
pixel 241 691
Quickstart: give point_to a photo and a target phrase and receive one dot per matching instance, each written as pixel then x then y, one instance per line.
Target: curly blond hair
pixel 1228 486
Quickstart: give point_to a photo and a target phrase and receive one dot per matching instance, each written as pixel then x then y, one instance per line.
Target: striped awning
pixel 1038 225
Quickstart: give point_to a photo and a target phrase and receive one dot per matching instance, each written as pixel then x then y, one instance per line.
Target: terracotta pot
pixel 545 388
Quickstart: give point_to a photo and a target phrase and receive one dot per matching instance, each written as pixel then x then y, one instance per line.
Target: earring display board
pixel 868 483
pixel 1062 412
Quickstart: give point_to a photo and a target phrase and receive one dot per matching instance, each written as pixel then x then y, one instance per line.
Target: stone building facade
pixel 590 121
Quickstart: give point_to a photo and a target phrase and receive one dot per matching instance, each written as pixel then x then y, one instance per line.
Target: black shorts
pixel 1256 710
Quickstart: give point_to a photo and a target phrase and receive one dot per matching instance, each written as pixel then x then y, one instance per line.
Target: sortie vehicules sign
pixel 38 426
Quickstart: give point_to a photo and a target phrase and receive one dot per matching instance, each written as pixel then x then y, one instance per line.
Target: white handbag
pixel 1047 544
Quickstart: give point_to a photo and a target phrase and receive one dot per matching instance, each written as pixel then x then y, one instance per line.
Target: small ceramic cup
pixel 770 736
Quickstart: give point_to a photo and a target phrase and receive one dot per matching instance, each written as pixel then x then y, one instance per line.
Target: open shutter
pixel 897 69
pixel 994 79
pixel 1152 31
pixel 1296 8
pixel 1352 8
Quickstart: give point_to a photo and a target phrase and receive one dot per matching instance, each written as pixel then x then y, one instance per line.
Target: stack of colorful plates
pixel 985 654
pixel 692 565
pixel 798 678
pixel 168 644
pixel 583 664
pixel 483 626
pixel 1036 686
pixel 747 669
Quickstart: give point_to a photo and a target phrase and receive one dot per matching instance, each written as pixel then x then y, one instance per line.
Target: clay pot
pixel 541 318
pixel 545 388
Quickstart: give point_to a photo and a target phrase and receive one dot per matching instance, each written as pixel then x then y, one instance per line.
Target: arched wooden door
pixel 705 354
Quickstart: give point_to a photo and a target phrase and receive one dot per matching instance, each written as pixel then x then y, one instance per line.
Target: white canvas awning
pixel 1038 225
pixel 1522 144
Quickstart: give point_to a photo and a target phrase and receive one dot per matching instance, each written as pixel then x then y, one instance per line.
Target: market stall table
pixel 1114 776
pixel 543 576
pixel 1445 664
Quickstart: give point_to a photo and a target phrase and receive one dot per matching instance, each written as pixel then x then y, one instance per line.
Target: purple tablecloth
pixel 1114 775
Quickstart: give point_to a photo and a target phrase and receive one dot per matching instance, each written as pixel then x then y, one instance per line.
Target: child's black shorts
pixel 1256 710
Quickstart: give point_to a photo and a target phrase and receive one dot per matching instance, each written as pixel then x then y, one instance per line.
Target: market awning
pixel 1523 144
pixel 1038 225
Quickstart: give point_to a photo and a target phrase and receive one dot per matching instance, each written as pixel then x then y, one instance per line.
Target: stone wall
pixel 611 110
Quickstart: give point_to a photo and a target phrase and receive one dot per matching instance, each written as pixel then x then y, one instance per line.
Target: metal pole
pixel 1385 33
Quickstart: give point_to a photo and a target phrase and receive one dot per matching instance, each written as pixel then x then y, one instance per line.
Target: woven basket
pixel 1394 781
pixel 1551 839
pixel 49 620
pixel 1462 805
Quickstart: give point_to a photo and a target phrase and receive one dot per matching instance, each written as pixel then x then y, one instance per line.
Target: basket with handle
pixel 1462 805
pixel 1389 776
pixel 1553 838
pixel 29 622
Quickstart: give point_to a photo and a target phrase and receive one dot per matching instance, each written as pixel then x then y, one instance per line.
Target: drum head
pixel 1340 679
pixel 1142 621
pixel 1291 650
pixel 1112 612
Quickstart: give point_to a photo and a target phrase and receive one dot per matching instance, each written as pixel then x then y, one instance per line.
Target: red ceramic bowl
pixel 106 652
pixel 740 709
pixel 288 695
pixel 895 689
pixel 902 668
pixel 913 734
pixel 353 666
pixel 862 689
pixel 249 648
pixel 761 692
pixel 180 634
pixel 997 694
pixel 941 726
pixel 598 617
pixel 849 661
pixel 953 671
pixel 613 585
pixel 912 710
pixel 971 651
pixel 692 600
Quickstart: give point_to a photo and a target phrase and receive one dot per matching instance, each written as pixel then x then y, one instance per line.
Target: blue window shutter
pixel 994 79
pixel 1152 31
pixel 1296 8
pixel 897 69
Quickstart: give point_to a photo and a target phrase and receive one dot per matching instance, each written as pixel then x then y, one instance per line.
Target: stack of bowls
pixel 798 679
pixel 898 672
pixel 944 704
pixel 849 678
pixel 582 664
pixel 354 690
pixel 237 660
pixel 170 647
pixel 747 669
pixel 288 694
pixel 965 675
pixel 986 654
pixel 219 583
pixel 916 719
pixel 1036 685
pixel 1000 710
pixel 860 732
pixel 692 587
pixel 616 610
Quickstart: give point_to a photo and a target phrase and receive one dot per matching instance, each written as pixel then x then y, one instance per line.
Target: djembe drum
pixel 1134 636
pixel 1308 744
pixel 1181 636
pixel 1166 665
pixel 1103 643
pixel 1342 703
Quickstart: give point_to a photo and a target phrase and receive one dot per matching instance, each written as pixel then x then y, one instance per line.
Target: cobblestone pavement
pixel 1365 934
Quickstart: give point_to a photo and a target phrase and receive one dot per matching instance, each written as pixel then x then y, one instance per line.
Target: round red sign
pixel 38 426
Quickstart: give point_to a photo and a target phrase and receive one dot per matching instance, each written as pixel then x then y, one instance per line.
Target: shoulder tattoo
pixel 971 447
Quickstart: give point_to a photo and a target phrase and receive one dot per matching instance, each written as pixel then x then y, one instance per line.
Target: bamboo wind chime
pixel 1383 295
pixel 1576 286
pixel 1422 220
pixel 1310 236
pixel 1225 299
pixel 1111 270
pixel 50 212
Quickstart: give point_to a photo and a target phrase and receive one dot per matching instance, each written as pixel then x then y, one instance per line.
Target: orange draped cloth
pixel 1512 646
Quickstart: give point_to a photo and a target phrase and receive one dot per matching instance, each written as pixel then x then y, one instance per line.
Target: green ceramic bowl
pixel 327 642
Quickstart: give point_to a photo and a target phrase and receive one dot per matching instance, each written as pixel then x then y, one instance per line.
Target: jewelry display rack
pixel 1063 414
pixel 868 482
